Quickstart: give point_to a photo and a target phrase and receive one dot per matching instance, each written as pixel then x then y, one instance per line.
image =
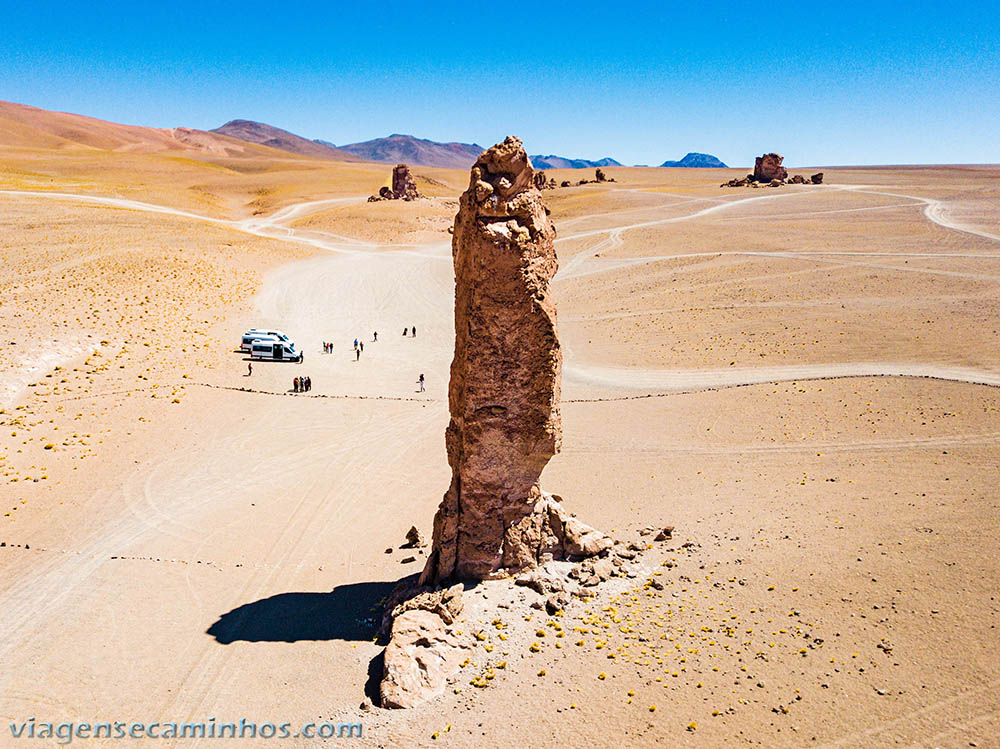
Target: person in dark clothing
pixel 404 332
pixel 414 331
pixel 376 336
pixel 357 354
pixel 361 345
pixel 421 382
pixel 295 384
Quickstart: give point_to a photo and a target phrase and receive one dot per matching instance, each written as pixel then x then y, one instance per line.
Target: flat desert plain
pixel 803 381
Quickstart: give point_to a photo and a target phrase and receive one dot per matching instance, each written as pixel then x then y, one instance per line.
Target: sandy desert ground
pixel 804 381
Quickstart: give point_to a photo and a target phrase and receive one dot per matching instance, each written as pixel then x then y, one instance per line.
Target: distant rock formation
pixel 768 167
pixel 696 161
pixel 738 181
pixel 503 395
pixel 403 186
pixel 769 172
pixel 542 183
pixel 600 176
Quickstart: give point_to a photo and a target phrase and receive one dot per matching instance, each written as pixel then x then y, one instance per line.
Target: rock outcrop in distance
pixel 769 171
pixel 505 383
pixel 696 161
pixel 543 183
pixel 403 186
pixel 768 167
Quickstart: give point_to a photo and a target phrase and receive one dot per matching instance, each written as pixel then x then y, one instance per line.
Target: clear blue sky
pixel 821 82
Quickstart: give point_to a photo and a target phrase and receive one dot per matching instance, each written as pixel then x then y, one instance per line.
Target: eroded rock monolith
pixel 505 383
pixel 768 167
pixel 403 186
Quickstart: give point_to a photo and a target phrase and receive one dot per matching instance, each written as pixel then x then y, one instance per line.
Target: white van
pixel 259 334
pixel 274 350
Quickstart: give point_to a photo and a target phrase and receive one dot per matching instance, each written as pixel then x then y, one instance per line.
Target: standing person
pixel 361 345
pixel 421 382
pixel 309 383
pixel 404 332
pixel 295 384
pixel 357 354
pixel 355 343
pixel 414 331
pixel 249 369
pixel 376 336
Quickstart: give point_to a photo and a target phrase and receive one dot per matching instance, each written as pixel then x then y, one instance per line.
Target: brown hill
pixel 407 149
pixel 23 126
pixel 274 137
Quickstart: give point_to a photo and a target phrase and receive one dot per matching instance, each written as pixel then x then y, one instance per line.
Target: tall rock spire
pixel 505 382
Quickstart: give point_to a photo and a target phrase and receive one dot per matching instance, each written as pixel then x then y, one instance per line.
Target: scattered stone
pixel 388 550
pixel 565 183
pixel 600 176
pixel 665 534
pixel 594 571
pixel 413 538
pixel 817 179
pixel 366 705
pixel 556 602
pixel 541 581
pixel 797 179
pixel 407 560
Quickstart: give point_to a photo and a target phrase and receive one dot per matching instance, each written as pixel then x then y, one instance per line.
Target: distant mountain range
pixel 698 160
pixel 22 126
pixel 25 126
pixel 406 149
pixel 560 162
pixel 275 137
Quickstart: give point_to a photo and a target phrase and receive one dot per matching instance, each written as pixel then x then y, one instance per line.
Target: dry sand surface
pixel 804 381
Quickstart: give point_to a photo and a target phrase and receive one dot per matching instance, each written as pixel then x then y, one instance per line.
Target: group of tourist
pixel 304 384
